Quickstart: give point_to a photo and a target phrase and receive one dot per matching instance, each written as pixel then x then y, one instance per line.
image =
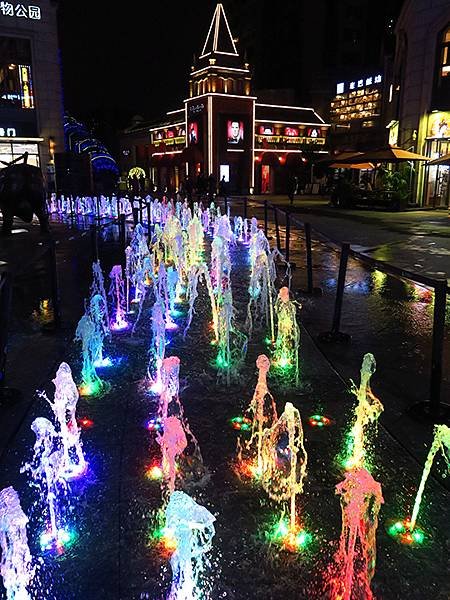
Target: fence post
pixel 225 205
pixel 141 211
pixel 265 218
pixel 122 232
pixel 288 236
pixel 335 335
pixel 245 207
pixel 94 242
pixel 310 289
pixel 54 283
pixel 5 306
pixel 277 227
pixel 135 212
pixel 440 300
pixel 149 217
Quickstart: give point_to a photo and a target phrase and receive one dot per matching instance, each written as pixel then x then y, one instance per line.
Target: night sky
pixel 126 58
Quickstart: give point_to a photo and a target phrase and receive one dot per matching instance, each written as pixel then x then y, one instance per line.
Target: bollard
pixel 277 228
pixel 310 289
pixel 135 211
pixel 94 242
pixel 97 204
pixel 440 300
pixel 54 287
pixel 245 207
pixel 335 335
pixel 266 229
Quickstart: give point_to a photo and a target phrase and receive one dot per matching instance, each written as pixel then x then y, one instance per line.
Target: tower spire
pixel 219 39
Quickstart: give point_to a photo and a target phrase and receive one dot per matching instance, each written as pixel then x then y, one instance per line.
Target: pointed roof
pixel 219 39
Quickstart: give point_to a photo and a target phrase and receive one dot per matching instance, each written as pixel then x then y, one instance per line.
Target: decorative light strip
pixel 252 173
pixel 285 106
pixel 216 21
pixel 163 153
pixel 235 150
pixel 22 139
pixel 219 68
pixel 223 95
pixel 318 125
pixel 172 112
pixel 210 136
pixel 167 126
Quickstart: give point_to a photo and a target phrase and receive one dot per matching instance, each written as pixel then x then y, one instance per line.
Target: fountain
pixel 284 461
pixel 407 531
pixel 117 295
pixel 354 565
pixel 90 343
pixel 47 472
pixel 196 273
pixel 232 344
pixel 195 241
pixel 98 313
pixel 287 341
pixel 170 379
pixel 64 405
pixel 262 414
pixel 192 528
pixel 98 288
pixel 15 565
pixel 367 411
pixel 135 258
pixel 158 349
pixel 173 442
pixel 163 294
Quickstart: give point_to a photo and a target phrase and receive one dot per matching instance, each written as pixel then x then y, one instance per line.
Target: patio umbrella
pixel 339 165
pixel 339 157
pixel 442 160
pixel 391 154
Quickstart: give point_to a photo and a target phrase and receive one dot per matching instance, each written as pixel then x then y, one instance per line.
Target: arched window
pixel 441 91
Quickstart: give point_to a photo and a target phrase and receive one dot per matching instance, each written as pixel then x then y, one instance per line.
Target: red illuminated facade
pixel 223 130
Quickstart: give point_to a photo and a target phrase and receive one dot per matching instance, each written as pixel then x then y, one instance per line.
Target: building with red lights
pixel 222 129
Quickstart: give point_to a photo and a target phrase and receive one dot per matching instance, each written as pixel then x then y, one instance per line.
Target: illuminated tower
pixel 220 110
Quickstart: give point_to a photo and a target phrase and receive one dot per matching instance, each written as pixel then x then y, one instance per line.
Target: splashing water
pixel 163 294
pixel 367 411
pixel 139 251
pixel 117 295
pixel 170 378
pixel 98 288
pixel 172 284
pixel 91 344
pixel 192 527
pixel 98 313
pixel 262 412
pixel 285 357
pixel 64 405
pixel 158 347
pixel 441 441
pixel 354 564
pixel 262 291
pixel 47 472
pixel 15 565
pixel 195 241
pixel 196 273
pixel 284 460
pixel 232 344
pixel 173 442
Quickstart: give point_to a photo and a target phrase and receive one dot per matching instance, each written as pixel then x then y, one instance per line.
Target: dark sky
pixel 123 58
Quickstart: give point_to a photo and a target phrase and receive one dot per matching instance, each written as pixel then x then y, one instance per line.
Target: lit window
pixel 445 54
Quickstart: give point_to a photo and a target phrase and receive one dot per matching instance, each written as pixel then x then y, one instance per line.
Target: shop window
pixel 16 85
pixel 445 54
pixel 441 92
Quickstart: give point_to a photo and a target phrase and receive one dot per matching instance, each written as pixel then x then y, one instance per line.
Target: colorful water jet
pixel 91 343
pixel 284 462
pixel 354 566
pixel 285 356
pixel 367 411
pixel 16 563
pixel 64 405
pixel 117 295
pixel 262 414
pixel 47 472
pixel 192 528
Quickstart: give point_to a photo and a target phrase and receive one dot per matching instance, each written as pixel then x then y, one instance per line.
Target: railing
pixel 434 407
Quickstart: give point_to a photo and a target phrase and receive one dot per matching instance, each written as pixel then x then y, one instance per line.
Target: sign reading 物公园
pixel 8 9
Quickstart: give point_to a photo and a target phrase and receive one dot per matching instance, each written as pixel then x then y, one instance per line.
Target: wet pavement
pixel 113 512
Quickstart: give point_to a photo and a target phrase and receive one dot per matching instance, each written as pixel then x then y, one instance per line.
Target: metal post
pixel 141 211
pixel 97 203
pixel 122 231
pixel 309 270
pixel 440 299
pixel 265 218
pixel 277 227
pixel 54 283
pixel 149 217
pixel 245 207
pixel 335 335
pixel 5 306
pixel 94 242
pixel 288 236
pixel 135 214
pixel 225 205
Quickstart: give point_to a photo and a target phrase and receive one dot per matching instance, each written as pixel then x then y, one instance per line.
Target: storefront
pixel 224 134
pixel 437 143
pixel 30 87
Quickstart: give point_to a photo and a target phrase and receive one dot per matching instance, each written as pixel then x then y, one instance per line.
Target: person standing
pixel 292 189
